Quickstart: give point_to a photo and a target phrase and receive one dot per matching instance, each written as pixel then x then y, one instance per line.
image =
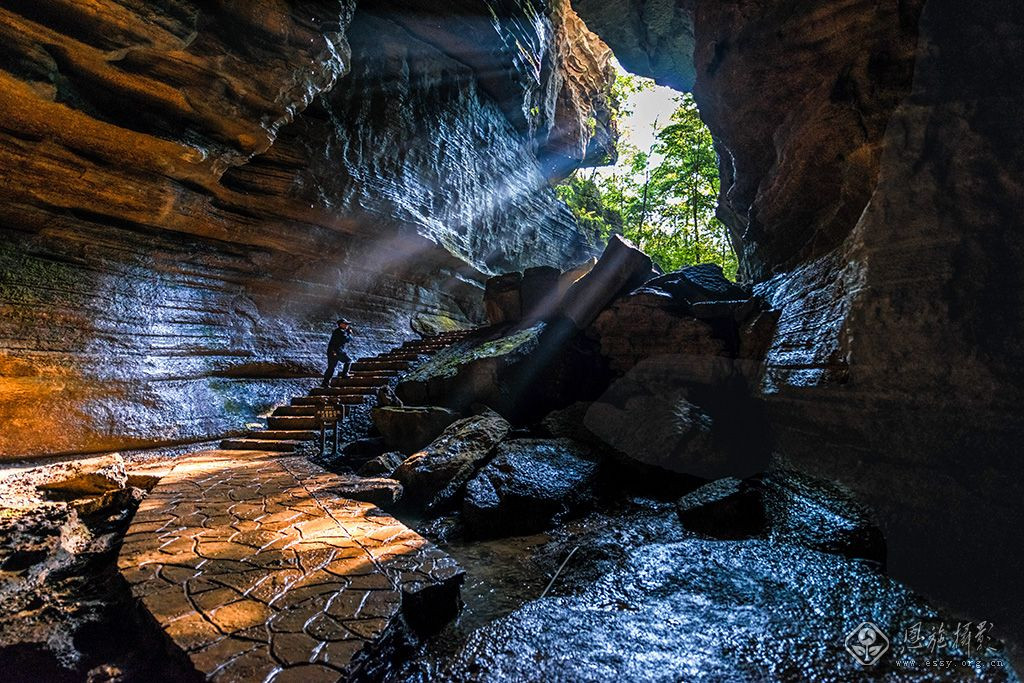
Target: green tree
pixel 663 199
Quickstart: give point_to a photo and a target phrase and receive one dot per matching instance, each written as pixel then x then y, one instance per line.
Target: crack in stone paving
pixel 257 571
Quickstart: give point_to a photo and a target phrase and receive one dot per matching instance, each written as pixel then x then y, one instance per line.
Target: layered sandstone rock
pixel 191 191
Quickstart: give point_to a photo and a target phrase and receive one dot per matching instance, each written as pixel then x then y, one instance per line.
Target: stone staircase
pixel 289 427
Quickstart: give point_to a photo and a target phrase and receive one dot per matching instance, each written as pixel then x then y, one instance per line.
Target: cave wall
pixel 871 178
pixel 191 192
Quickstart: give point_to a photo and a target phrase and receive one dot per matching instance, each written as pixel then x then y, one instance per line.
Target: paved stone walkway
pixel 259 572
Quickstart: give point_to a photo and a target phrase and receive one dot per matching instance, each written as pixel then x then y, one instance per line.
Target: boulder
pixel 458 377
pixel 502 303
pixel 567 422
pixel 364 449
pixel 726 508
pixel 90 477
pixel 698 284
pixel 435 476
pixel 736 310
pixel 650 417
pixel 109 502
pixel 649 323
pixel 621 268
pixel 820 515
pixel 429 325
pixel 665 431
pixel 409 428
pixel 786 507
pixel 383 465
pixel 538 291
pixel 526 485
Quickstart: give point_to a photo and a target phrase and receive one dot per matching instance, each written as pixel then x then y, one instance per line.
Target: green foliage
pixel 662 199
pixel 625 86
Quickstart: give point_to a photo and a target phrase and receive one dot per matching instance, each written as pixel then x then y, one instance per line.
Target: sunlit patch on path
pixel 258 571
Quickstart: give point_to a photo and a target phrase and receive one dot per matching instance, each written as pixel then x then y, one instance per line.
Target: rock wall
pixel 871 167
pixel 192 191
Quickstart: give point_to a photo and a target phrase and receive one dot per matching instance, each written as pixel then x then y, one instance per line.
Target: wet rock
pixel 383 465
pixel 820 515
pixel 621 268
pixel 786 507
pixel 526 485
pixel 647 421
pixel 714 610
pixel 409 428
pixel 725 508
pixel 502 302
pixel 434 477
pixel 87 477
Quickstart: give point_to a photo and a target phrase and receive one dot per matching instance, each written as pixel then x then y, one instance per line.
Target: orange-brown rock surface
pixel 190 191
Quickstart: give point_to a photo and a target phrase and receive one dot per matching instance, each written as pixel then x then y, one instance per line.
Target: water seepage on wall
pixel 871 166
pixel 191 194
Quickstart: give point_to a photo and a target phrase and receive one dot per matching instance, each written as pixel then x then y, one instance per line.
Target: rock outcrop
pixel 434 477
pixel 526 485
pixel 871 181
pixel 191 191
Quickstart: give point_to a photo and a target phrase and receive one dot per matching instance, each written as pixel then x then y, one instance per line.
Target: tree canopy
pixel 662 199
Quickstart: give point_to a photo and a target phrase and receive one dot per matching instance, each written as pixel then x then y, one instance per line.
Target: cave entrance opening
pixel 661 192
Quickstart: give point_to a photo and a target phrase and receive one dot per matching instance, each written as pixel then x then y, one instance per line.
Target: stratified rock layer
pixel 191 191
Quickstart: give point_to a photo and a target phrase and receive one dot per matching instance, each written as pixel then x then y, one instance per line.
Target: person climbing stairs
pixel 289 427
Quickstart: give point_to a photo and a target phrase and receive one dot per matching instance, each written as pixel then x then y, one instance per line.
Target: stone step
pixel 375 365
pixel 290 422
pixel 408 356
pixel 339 392
pixel 362 381
pixel 248 444
pixel 286 411
pixel 363 375
pixel 424 345
pixel 321 400
pixel 283 434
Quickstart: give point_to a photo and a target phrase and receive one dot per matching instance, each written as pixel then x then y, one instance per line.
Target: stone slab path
pixel 259 572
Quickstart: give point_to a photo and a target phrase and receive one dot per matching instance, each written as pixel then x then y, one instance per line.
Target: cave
pixel 548 460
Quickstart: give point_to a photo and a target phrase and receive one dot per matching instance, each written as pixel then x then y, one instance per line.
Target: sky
pixel 648 106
